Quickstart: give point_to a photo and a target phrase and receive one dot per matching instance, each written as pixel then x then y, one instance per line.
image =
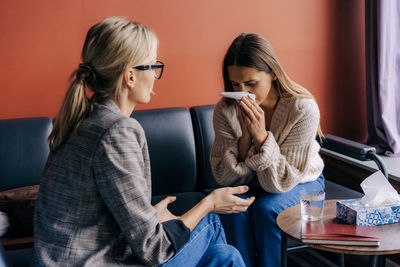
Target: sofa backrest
pixel 172 149
pixel 179 153
pixel 23 151
pixel 202 117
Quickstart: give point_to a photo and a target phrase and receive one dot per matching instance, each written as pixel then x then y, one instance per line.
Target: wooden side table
pixel 289 221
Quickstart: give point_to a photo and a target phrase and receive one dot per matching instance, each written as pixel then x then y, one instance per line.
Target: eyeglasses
pixel 158 68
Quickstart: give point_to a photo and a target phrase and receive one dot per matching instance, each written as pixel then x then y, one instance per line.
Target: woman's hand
pixel 224 200
pixel 162 209
pixel 255 121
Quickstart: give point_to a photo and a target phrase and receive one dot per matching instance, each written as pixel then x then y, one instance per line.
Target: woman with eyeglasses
pixel 93 207
pixel 268 143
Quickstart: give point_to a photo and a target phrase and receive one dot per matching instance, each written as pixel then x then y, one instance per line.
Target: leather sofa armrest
pixel 353 149
pixel 17 243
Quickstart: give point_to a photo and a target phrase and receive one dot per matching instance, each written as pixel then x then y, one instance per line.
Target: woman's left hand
pixel 162 209
pixel 255 120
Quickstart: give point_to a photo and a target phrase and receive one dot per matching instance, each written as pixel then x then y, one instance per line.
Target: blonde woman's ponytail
pixel 75 107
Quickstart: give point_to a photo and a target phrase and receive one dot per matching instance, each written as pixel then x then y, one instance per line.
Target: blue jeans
pixel 255 231
pixel 207 247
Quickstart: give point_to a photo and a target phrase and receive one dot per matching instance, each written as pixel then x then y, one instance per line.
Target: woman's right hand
pixel 224 201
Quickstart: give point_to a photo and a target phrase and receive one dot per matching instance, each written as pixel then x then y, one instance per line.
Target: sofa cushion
pixel 19 257
pixel 202 117
pixel 183 203
pixel 19 204
pixel 3 260
pixel 170 139
pixel 23 151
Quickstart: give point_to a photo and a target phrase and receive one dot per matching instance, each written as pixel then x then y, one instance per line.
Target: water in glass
pixel 312 206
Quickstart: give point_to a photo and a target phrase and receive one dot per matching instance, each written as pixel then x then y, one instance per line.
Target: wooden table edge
pixel 348 249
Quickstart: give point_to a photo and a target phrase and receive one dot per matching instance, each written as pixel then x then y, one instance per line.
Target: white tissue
pixel 378 191
pixel 237 95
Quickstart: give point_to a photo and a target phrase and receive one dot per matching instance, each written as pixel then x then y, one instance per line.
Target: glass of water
pixel 312 204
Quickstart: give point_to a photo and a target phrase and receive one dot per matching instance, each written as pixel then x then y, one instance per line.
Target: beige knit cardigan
pixel 289 156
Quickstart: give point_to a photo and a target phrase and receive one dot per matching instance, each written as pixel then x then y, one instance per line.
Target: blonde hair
pixel 110 47
pixel 254 51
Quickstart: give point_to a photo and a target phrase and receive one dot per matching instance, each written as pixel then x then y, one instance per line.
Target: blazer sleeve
pixel 281 167
pixel 120 169
pixel 224 154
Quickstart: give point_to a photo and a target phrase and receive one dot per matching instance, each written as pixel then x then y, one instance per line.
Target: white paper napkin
pixel 237 95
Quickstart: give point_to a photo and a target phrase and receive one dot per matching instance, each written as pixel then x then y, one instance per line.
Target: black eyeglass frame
pixel 158 65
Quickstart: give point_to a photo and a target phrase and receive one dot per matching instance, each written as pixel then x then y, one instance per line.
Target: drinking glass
pixel 312 204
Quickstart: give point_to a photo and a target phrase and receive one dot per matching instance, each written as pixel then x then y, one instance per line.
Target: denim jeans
pixel 255 231
pixel 207 247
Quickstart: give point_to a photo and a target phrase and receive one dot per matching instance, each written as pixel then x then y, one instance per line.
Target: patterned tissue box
pixel 350 212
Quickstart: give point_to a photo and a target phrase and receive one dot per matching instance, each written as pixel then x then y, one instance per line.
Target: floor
pixel 314 258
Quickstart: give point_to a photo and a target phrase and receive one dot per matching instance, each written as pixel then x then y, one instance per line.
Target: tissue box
pixel 349 212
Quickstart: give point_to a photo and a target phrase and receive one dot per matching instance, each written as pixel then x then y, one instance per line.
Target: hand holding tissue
pixel 237 95
pixel 379 205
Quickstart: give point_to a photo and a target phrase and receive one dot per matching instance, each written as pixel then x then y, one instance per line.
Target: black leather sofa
pixel 179 141
pixel 172 149
pixel 23 154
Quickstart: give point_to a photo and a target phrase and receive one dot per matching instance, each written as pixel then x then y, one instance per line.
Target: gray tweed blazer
pixel 93 207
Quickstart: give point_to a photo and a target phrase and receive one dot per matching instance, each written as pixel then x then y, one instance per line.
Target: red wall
pixel 320 43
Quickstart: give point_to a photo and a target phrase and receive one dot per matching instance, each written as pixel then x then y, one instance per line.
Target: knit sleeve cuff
pixel 232 155
pixel 252 151
pixel 177 232
pixel 269 152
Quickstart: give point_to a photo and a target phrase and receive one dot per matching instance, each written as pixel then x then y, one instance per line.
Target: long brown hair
pixel 254 51
pixel 110 47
